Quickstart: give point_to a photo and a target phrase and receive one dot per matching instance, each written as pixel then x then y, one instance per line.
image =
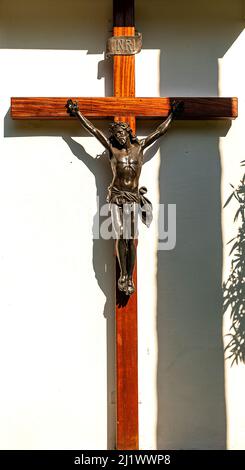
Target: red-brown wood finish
pixel 126 312
pixel 124 107
pixel 124 79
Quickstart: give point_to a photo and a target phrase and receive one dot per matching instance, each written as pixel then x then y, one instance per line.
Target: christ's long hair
pixel 122 125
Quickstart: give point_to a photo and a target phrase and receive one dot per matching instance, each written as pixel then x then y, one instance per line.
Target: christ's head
pixel 121 134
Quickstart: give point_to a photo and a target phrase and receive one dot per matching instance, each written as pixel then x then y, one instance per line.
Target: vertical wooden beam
pixel 123 13
pixel 126 308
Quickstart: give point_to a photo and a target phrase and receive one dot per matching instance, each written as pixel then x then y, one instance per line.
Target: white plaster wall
pixel 232 75
pixel 56 298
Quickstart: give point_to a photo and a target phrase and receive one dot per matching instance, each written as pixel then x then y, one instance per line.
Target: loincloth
pixel 120 197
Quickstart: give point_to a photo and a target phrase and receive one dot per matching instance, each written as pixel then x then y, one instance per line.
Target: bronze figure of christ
pixel 124 195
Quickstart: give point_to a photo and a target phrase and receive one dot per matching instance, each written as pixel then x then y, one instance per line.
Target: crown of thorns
pixel 120 125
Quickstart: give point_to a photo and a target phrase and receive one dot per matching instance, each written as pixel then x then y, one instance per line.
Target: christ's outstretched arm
pixel 73 109
pixel 160 130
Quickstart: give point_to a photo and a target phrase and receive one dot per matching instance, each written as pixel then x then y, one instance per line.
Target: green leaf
pixel 229 199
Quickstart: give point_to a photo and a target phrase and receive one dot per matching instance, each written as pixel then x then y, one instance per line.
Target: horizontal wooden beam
pixel 194 108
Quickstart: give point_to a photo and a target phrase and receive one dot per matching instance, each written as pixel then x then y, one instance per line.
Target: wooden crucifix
pixel 125 107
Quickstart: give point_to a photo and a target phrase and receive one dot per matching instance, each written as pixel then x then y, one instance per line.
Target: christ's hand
pixel 177 107
pixel 72 107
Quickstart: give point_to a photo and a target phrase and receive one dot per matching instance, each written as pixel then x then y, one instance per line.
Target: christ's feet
pixel 131 287
pixel 123 283
pixel 126 285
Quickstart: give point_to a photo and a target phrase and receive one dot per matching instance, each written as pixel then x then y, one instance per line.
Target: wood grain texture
pixel 124 107
pixel 127 369
pixel 124 68
pixel 123 13
pixel 126 307
pixel 124 78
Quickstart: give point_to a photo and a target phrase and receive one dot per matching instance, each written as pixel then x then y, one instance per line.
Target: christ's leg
pixel 131 257
pixel 131 253
pixel 121 245
pixel 121 249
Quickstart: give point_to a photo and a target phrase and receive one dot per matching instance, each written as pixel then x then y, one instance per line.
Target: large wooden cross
pixel 124 106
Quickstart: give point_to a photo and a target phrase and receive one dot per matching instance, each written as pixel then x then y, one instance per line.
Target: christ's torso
pixel 126 167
